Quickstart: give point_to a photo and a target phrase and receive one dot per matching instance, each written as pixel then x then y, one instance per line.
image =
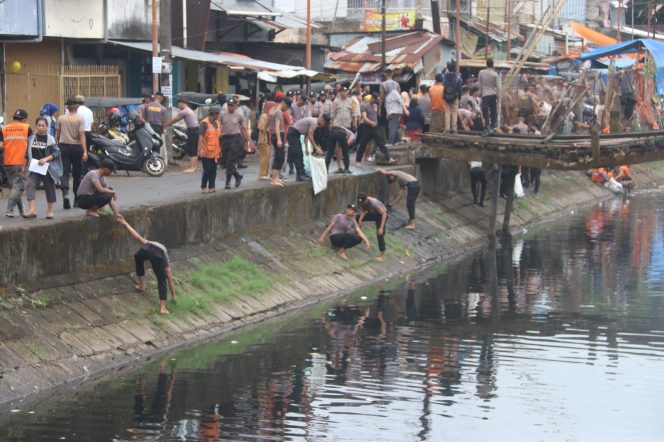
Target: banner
pixel 394 21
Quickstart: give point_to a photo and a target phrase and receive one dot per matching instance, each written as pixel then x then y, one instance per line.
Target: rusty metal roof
pixel 403 52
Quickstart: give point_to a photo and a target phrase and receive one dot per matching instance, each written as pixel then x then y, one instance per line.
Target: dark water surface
pixel 557 336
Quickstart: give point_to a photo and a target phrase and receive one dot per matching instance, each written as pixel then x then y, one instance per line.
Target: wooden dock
pixel 563 152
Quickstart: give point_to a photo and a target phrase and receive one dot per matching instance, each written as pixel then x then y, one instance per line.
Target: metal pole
pixel 486 43
pixel 184 24
pixel 619 36
pixel 494 202
pixel 457 36
pixel 308 45
pixel 632 5
pixel 165 44
pixel 382 37
pixel 155 35
pixel 509 29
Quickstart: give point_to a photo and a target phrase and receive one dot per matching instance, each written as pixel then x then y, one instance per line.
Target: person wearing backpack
pixel 451 93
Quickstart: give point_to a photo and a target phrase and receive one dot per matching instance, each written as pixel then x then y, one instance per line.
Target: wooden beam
pixel 493 214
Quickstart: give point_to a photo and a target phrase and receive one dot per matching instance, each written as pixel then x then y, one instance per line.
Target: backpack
pixel 451 92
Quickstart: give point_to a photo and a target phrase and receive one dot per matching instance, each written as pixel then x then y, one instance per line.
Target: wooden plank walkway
pixel 564 152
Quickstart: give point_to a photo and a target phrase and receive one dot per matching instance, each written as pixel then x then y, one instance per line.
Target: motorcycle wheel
pixel 178 153
pixel 154 166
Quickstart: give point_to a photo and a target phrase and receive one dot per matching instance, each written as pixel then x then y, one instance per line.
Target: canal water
pixel 555 336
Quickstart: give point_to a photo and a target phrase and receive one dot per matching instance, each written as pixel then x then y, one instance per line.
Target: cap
pixel 214 110
pixel 361 197
pixel 80 98
pixel 232 101
pixel 344 89
pixel 71 102
pixel 159 94
pixel 322 93
pixel 351 206
pixel 279 95
pixel 21 114
pixel 312 94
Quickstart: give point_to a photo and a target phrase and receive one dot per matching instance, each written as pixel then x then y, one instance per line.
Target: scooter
pixel 140 154
pixel 179 144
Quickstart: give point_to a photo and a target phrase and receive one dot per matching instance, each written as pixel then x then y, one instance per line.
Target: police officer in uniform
pixel 233 139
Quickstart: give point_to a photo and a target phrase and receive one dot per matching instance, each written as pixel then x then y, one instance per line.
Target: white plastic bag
pixel 318 174
pixel 518 187
pixel 614 186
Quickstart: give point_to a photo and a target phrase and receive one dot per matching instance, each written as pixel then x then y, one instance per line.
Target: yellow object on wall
pixel 15 66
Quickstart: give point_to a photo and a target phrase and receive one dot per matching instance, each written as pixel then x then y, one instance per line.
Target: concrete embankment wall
pixel 54 332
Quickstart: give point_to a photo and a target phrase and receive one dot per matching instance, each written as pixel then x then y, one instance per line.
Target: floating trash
pixel 233 342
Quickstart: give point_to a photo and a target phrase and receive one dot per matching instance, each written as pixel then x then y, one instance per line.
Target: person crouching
pixel 345 232
pixel 94 193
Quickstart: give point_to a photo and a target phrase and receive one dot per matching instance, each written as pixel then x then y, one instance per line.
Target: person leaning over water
pixel 371 209
pixel 406 182
pixel 344 232
pixel 157 254
pixel 43 148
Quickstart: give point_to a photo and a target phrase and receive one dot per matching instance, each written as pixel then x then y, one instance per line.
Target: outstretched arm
pixel 133 232
pixel 398 197
pixel 326 232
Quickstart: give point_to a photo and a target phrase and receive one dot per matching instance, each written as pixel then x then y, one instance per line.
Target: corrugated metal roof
pixel 239 7
pixel 403 52
pixel 208 57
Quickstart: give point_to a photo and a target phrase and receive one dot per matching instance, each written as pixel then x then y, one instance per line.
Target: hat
pixel 322 93
pixel 351 206
pixel 368 97
pixel 232 101
pixel 214 110
pixel 21 114
pixel 159 94
pixel 71 102
pixel 312 94
pixel 344 89
pixel 361 197
pixel 80 98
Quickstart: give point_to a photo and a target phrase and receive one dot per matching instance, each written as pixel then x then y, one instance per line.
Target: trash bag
pixel 318 174
pixel 518 187
pixel 614 186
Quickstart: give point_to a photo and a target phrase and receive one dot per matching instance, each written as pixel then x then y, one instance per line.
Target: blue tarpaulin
pixel 655 47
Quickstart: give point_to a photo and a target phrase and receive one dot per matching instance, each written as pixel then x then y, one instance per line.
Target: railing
pixel 422 6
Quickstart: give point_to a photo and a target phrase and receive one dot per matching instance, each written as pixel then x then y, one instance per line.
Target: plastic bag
pixel 614 186
pixel 318 174
pixel 518 187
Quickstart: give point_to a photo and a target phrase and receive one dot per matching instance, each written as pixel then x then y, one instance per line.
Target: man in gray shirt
pixel 489 83
pixel 233 139
pixel 154 113
pixel 343 110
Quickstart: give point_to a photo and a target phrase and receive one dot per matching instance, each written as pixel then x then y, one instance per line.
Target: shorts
pixel 192 141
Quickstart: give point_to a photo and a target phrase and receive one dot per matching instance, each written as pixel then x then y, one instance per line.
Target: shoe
pixel 75 202
pixel 303 178
pixel 65 203
pixel 238 180
pixel 481 204
pixel 291 171
pixel 227 186
pixel 339 171
pixel 10 215
pixel 242 166
pixel 30 216
pixel 347 172
pixel 372 158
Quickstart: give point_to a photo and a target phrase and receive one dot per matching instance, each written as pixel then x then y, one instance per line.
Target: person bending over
pixel 345 232
pixel 94 193
pixel 373 210
pixel 157 254
pixel 406 182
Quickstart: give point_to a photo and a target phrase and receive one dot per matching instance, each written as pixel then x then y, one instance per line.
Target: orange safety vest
pixel 15 136
pixel 211 147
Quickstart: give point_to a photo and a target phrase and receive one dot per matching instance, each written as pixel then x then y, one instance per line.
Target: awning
pixel 596 37
pixel 272 77
pixel 209 57
pixel 655 47
pixel 249 9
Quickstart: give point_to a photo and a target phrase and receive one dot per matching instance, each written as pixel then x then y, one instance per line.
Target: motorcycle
pixel 179 144
pixel 139 154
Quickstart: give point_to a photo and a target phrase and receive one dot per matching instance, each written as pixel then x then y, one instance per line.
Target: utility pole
pixel 165 42
pixel 382 37
pixel 457 36
pixel 508 6
pixel 155 75
pixel 486 45
pixel 435 16
pixel 619 36
pixel 308 46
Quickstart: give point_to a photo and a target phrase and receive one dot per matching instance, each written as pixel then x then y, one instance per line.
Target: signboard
pixel 394 21
pixel 156 65
pixel 20 18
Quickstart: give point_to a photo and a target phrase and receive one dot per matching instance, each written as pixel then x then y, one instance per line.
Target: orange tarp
pixel 596 37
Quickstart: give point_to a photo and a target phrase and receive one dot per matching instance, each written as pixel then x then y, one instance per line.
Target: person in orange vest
pixel 14 143
pixel 209 148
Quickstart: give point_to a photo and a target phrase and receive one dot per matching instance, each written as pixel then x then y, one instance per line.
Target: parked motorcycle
pixel 142 153
pixel 179 144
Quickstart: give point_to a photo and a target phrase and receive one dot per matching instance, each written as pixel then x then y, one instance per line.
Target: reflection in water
pixel 555 336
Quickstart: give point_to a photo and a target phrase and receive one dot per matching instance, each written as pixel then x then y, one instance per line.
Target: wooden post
pixel 509 204
pixel 494 203
pixel 594 136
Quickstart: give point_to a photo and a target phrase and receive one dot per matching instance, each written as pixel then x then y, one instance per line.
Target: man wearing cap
pixel 371 209
pixel 314 107
pixel 278 137
pixel 233 140
pixel 209 149
pixel 147 99
pixel 306 127
pixel 14 143
pixel 342 113
pixel 344 232
pixel 327 102
pixel 88 117
pixel 154 113
pixel 70 135
pixel 190 120
pixel 371 132
pixel 94 193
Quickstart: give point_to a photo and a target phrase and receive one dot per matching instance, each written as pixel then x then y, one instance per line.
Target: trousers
pixel 451 112
pixel 17 181
pixel 489 111
pixel 413 190
pixel 478 176
pixel 72 163
pixel 393 128
pixel 295 155
pixel 209 177
pixel 155 255
pixel 371 133
pixel 335 136
pixel 279 152
pixel 377 218
pixel 345 240
pixel 232 147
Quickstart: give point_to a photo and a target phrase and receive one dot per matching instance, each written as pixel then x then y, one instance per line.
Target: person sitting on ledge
pixel 157 254
pixel 346 233
pixel 94 193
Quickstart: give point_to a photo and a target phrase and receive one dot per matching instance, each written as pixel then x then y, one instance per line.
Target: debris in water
pixel 233 342
pixel 363 298
pixel 15 410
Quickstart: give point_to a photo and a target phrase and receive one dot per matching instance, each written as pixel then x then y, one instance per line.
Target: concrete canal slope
pixel 71 313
